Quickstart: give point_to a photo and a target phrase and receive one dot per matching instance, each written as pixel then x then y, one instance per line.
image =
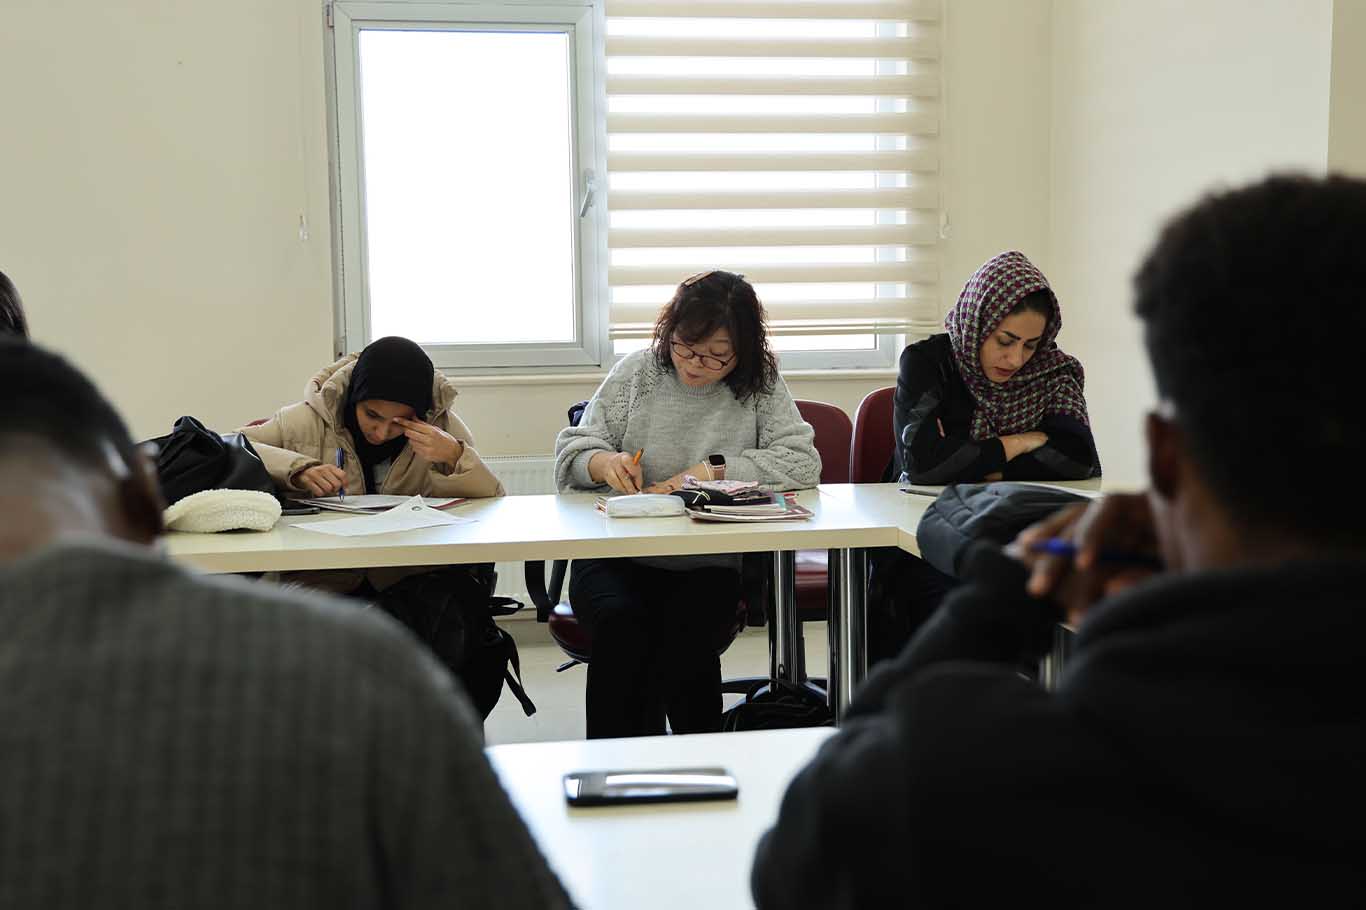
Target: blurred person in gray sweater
pixel 176 741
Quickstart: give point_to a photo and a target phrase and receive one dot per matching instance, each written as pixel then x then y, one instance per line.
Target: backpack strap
pixel 504 606
pixel 512 676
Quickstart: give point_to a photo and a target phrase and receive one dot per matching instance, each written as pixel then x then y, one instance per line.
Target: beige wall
pixel 1347 105
pixel 1154 103
pixel 995 143
pixel 157 159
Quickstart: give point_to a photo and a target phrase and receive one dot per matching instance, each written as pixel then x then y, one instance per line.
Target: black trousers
pixel 655 645
pixel 903 592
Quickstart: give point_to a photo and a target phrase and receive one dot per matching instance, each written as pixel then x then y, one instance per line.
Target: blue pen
pixel 341 463
pixel 1056 546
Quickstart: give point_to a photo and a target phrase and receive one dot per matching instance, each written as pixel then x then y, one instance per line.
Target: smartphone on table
pixel 655 785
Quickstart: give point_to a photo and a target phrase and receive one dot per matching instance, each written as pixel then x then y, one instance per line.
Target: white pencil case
pixel 644 505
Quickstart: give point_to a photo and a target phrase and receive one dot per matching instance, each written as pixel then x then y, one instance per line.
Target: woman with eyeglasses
pixel 704 399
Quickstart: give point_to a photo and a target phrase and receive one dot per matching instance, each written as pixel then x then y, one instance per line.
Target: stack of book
pixel 766 507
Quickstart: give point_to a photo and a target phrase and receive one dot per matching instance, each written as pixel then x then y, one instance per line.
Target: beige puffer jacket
pixel 310 432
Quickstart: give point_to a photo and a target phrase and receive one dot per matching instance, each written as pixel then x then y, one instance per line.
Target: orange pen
pixel 636 459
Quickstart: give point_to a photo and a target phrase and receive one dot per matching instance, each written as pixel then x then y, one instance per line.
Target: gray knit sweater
pixel 170 741
pixel 641 405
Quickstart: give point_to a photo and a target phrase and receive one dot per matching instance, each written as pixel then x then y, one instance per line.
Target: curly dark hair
pixel 1252 305
pixel 12 320
pixel 721 300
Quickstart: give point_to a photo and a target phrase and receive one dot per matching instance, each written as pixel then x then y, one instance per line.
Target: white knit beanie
pixel 223 510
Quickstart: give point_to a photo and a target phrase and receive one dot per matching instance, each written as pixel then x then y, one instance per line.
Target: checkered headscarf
pixel 1050 383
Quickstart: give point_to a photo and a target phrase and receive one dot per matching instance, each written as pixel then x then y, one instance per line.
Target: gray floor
pixel 559 696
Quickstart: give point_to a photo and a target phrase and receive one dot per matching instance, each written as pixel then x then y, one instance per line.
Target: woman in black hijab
pixel 391 385
pixel 384 421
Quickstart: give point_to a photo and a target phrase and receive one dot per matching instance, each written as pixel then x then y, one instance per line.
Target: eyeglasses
pixel 708 362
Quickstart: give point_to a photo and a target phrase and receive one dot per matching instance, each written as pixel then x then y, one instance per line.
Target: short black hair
pixel 1254 303
pixel 714 301
pixel 12 321
pixel 48 398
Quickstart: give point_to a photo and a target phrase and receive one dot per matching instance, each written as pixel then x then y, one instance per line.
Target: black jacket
pixel 929 391
pixel 1206 746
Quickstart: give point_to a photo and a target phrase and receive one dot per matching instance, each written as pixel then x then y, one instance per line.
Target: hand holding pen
pixel 341 466
pixel 1090 551
pixel 619 470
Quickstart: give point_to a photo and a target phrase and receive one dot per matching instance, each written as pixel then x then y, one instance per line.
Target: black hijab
pixel 390 369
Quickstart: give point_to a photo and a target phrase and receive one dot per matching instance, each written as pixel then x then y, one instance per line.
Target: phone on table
pixel 657 785
pixel 299 508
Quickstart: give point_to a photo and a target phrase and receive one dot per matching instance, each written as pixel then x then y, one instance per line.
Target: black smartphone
pixel 658 785
pixel 299 509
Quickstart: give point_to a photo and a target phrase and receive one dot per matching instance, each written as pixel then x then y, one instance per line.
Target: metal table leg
pixel 786 654
pixel 1050 667
pixel 848 626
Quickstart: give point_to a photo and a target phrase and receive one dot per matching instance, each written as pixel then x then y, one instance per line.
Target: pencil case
pixel 643 505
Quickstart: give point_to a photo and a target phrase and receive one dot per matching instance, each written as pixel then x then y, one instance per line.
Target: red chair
pixel 874 438
pixel 834 433
pixel 870 444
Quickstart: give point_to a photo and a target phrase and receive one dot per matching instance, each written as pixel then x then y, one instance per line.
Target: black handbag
pixel 192 458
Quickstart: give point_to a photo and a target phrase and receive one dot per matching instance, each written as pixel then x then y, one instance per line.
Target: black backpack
pixel 451 611
pixel 778 705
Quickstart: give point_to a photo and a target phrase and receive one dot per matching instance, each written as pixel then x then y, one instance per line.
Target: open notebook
pixel 370 503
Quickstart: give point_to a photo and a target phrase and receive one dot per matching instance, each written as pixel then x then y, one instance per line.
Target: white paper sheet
pixel 410 516
pixel 371 503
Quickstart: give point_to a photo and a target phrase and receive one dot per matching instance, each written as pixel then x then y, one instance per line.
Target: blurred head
pixel 12 321
pixel 392 380
pixel 713 331
pixel 1251 301
pixel 67 463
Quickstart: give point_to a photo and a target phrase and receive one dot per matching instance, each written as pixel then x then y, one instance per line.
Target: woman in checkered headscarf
pixel 994 397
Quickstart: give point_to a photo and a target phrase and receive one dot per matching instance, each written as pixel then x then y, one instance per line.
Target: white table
pixel 517 528
pixel 848 519
pixel 690 856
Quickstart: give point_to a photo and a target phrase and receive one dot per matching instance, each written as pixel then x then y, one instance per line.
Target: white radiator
pixel 521 475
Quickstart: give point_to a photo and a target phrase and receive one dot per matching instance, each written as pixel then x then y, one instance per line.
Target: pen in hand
pixel 635 461
pixel 1055 546
pixel 341 463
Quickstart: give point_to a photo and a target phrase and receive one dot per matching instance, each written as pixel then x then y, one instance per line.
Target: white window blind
pixel 793 141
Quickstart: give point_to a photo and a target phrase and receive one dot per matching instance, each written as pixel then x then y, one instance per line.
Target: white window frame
pixel 584 22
